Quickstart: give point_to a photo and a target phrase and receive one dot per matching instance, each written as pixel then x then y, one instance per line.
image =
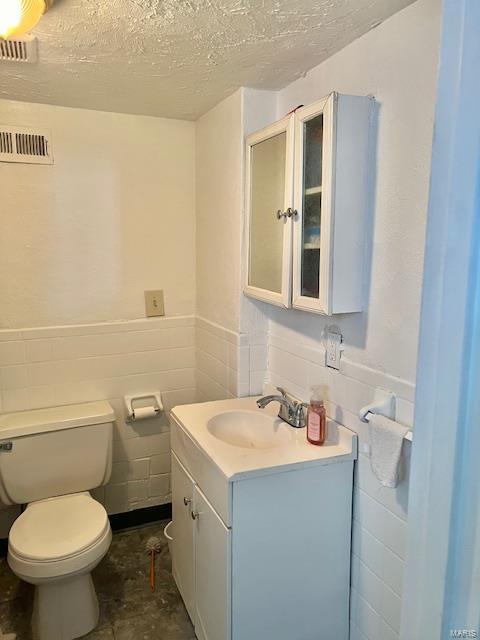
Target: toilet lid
pixel 58 527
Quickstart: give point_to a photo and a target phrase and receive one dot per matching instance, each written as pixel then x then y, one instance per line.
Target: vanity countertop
pixel 240 460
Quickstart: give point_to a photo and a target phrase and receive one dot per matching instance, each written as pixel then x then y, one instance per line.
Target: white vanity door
pixel 183 562
pixel 212 572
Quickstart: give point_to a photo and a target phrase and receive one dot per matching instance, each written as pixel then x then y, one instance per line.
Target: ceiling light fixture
pixel 17 17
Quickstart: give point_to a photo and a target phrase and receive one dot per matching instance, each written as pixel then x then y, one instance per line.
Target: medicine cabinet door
pixel 269 195
pixel 314 131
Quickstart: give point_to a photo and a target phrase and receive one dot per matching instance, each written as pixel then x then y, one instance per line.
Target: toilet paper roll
pixel 144 412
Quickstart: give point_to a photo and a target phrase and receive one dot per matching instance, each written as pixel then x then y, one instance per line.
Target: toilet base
pixel 65 609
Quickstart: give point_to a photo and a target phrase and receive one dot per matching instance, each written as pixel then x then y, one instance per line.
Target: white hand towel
pixel 386 441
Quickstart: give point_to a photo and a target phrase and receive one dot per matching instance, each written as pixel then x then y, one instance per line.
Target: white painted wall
pixel 81 240
pixel 396 63
pixel 231 328
pixel 219 193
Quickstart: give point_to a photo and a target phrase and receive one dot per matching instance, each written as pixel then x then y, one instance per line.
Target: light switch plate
pixel 154 303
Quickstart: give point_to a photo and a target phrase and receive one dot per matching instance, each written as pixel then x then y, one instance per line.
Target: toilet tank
pixel 55 451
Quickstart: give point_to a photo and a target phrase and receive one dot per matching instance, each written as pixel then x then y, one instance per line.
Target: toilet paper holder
pixel 156 409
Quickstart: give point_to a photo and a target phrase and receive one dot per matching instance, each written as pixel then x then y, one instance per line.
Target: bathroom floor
pixel 128 609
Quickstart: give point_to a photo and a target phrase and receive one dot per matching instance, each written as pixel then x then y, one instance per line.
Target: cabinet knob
pixel 187 501
pixel 194 515
pixel 289 213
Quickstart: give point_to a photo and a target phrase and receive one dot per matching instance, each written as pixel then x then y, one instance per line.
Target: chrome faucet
pixel 291 411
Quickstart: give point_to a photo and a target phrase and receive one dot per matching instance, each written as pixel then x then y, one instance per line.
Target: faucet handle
pixel 282 391
pixel 301 406
pixel 300 414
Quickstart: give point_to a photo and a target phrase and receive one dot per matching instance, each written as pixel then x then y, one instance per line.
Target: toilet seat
pixel 58 536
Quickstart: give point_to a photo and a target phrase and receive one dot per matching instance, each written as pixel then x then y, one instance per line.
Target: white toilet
pixel 49 460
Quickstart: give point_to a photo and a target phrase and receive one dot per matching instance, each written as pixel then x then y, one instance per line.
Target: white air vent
pixel 19 50
pixel 30 146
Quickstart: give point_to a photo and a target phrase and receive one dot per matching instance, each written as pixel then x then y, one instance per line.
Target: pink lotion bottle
pixel 316 418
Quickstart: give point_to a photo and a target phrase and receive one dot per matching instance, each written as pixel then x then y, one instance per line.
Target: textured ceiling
pixel 177 58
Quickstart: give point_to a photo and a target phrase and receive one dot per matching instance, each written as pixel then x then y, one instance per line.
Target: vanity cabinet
pixel 200 560
pixel 263 554
pixel 306 207
pixel 183 564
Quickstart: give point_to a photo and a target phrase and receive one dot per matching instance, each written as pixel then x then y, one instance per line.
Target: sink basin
pixel 250 430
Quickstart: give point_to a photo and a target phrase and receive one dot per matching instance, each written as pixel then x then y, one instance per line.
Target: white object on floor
pixel 386 442
pixel 7 636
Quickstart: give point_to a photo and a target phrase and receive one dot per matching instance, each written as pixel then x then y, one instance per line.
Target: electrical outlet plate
pixel 154 305
pixel 333 350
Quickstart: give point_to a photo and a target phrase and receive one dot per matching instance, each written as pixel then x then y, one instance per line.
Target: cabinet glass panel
pixel 267 195
pixel 312 205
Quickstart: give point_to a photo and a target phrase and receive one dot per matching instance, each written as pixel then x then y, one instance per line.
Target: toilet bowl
pixel 54 545
pixel 50 460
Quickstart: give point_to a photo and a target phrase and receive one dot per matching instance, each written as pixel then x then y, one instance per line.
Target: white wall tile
pixel 258 357
pixel 15 400
pixel 289 366
pixel 130 470
pixel 123 342
pixel 355 633
pixel 381 560
pixel 386 632
pixel 12 353
pixel 9 335
pixel 159 485
pixel 137 490
pixel 79 364
pixel 142 446
pixel 38 350
pixel 395 500
pixel 257 381
pixel 14 377
pixel 380 522
pixel 40 397
pixel 160 464
pixel 64 365
pixel 383 600
pixel 296 363
pixel 210 389
pixel 215 346
pixel 364 616
pixel 116 498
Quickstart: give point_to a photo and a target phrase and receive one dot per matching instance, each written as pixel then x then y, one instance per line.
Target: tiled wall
pixel 65 365
pixel 380 514
pixel 290 359
pixel 188 359
pixel 229 364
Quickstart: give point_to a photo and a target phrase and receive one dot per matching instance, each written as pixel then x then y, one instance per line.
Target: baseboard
pixel 119 521
pixel 136 518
